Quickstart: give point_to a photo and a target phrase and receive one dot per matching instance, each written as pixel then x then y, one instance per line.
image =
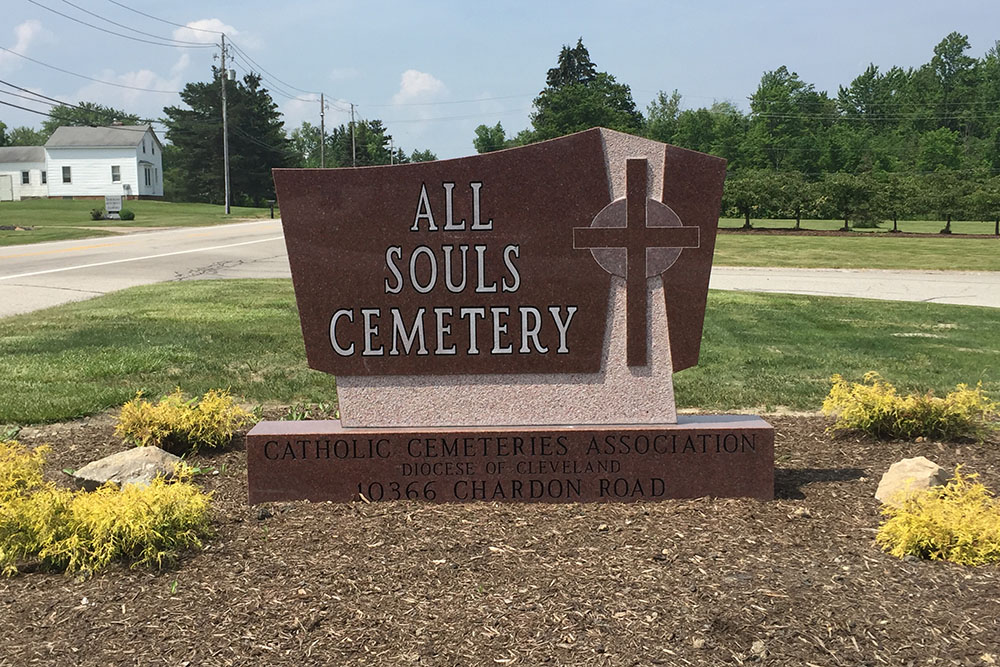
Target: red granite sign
pixel 487 264
pixel 558 285
pixel 697 457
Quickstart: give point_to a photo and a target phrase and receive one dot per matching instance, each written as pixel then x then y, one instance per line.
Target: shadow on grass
pixel 788 482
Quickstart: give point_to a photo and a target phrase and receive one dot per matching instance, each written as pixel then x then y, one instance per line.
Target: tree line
pixel 915 142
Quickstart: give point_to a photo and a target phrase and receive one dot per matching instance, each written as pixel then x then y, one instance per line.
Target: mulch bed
pixel 786 231
pixel 796 581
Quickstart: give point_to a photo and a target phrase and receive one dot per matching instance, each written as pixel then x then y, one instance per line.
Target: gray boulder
pixel 909 476
pixel 133 466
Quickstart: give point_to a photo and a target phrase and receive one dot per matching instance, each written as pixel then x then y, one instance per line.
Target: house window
pixel 147 175
pixel 45 178
pixel 143 145
pixel 67 175
pixel 116 173
pixel 25 178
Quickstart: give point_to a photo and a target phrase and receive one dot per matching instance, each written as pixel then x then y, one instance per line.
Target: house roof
pixel 22 154
pixel 95 137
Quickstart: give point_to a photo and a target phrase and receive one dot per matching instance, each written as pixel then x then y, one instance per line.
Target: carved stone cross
pixel 635 236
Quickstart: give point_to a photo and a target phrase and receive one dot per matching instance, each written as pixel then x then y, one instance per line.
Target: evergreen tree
pixel 578 97
pixel 257 142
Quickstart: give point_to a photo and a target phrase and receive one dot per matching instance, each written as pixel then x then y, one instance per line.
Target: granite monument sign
pixel 506 327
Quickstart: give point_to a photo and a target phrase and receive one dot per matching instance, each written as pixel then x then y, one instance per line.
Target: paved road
pixel 969 288
pixel 47 274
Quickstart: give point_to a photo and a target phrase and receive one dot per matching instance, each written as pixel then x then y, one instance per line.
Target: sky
pixel 435 69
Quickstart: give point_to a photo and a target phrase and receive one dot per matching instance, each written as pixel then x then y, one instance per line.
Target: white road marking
pixel 138 259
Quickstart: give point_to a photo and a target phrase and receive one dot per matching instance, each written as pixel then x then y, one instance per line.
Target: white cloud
pixel 197 34
pixel 24 33
pixel 141 103
pixel 416 86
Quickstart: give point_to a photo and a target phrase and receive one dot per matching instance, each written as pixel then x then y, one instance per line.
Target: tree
pixel 943 193
pixel 305 142
pixel 25 136
pixel 661 116
pixel 3 133
pixel 794 195
pixel 573 66
pixel 747 192
pixel 370 146
pixel 787 120
pixel 489 139
pixel 578 97
pixel 423 156
pixel 849 195
pixel 84 114
pixel 898 193
pixel 939 149
pixel 954 72
pixel 257 141
pixel 984 202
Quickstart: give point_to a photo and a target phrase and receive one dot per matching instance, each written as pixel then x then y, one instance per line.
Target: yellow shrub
pixel 874 406
pixel 959 522
pixel 180 425
pixel 59 529
pixel 20 469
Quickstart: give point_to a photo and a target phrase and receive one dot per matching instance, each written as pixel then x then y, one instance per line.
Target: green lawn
pixel 60 219
pixel 758 350
pixel 859 252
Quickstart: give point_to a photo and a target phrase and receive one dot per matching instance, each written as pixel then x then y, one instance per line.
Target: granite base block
pixel 701 455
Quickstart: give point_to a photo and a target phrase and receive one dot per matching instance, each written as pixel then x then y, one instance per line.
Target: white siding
pixel 90 171
pixel 34 188
pixel 153 159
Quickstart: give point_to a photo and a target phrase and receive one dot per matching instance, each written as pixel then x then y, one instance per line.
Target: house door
pixel 6 187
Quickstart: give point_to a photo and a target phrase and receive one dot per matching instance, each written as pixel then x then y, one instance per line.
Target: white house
pixel 98 161
pixel 22 173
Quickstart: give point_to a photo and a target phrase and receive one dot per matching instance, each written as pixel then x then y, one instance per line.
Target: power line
pixel 118 34
pixel 264 71
pixel 121 25
pixel 425 104
pixel 272 85
pixel 40 113
pixel 45 113
pixel 465 117
pixel 155 18
pixel 89 78
pixel 53 102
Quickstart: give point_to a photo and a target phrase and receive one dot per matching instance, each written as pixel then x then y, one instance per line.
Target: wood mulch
pixel 795 581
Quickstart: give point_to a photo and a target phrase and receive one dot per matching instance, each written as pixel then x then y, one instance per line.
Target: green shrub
pixel 53 528
pixel 97 214
pixel 180 425
pixel 874 406
pixel 126 214
pixel 958 522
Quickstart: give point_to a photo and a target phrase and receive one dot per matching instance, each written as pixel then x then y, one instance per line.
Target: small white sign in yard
pixel 113 206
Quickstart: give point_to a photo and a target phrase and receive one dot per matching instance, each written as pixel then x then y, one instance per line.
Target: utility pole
pixel 322 130
pixel 354 150
pixel 392 153
pixel 225 121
